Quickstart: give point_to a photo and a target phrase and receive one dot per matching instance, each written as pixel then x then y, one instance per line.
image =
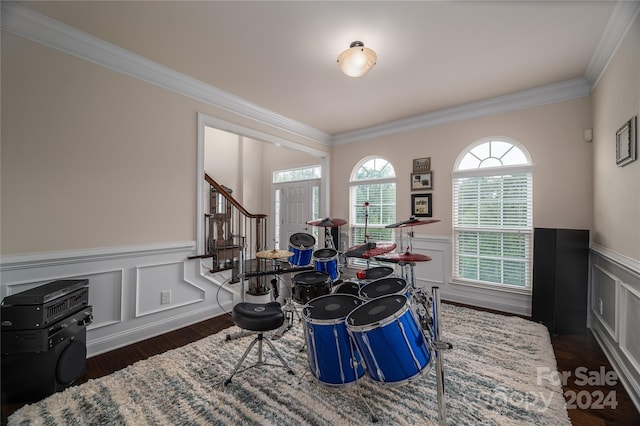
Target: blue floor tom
pixel 389 339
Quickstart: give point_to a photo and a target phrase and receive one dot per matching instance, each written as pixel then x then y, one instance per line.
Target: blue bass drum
pixel 301 245
pixel 332 356
pixel 389 339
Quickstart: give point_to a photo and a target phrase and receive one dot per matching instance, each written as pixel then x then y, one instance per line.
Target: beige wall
pixel 552 134
pixel 92 158
pixel 617 189
pixel 222 158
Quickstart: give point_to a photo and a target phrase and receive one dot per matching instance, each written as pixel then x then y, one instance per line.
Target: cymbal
pixel 327 222
pixel 365 251
pixel 404 257
pixel 412 222
pixel 273 254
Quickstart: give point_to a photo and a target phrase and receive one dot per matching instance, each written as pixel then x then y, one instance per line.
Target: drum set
pixel 378 325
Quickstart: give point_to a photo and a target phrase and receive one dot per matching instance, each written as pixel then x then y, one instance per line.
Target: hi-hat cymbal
pixel 403 257
pixel 367 250
pixel 273 254
pixel 327 222
pixel 412 222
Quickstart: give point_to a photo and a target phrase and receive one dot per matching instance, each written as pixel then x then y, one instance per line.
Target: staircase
pixel 233 236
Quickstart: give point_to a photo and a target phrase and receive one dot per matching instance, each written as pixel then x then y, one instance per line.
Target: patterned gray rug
pixel 491 377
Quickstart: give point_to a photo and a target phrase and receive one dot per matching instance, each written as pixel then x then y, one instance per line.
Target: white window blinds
pixel 492 220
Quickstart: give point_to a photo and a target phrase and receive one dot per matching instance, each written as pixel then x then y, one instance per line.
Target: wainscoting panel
pixel 630 318
pixel 125 288
pixel 604 299
pixel 615 280
pixel 151 285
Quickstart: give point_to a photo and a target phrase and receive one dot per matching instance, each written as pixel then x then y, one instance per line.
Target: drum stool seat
pixel 260 318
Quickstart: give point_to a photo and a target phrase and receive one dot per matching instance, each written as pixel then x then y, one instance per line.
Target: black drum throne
pixel 260 318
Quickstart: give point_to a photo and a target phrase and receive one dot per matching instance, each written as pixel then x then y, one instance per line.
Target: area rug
pixel 497 373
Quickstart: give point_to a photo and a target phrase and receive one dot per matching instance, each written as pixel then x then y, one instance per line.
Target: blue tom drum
pixel 301 245
pixel 333 359
pixel 326 260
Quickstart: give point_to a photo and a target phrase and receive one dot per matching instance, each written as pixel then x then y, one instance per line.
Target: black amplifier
pixel 41 306
pixel 44 339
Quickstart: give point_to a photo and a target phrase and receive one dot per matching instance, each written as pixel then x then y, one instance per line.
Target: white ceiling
pixel 432 55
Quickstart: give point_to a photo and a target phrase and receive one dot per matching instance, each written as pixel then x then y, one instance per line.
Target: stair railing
pixel 233 236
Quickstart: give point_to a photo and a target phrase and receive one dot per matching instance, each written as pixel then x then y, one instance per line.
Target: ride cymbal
pixel 412 222
pixel 365 251
pixel 327 222
pixel 273 254
pixel 404 257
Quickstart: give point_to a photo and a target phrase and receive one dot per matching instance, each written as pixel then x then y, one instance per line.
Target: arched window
pixel 493 214
pixel 373 181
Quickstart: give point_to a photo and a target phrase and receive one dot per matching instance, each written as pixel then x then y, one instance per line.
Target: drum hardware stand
pixel 354 365
pixel 439 346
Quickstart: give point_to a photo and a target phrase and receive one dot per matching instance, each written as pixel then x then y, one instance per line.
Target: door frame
pixel 204 121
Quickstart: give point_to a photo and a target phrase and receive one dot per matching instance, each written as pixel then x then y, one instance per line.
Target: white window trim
pixel 493 171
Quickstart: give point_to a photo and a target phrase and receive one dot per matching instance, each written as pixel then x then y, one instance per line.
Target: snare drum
pixel 326 260
pixel 347 287
pixel 372 274
pixel 309 285
pixel 389 339
pixel 301 245
pixel 332 356
pixel 384 287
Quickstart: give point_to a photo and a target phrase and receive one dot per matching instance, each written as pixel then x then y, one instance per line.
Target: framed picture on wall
pixel 421 205
pixel 626 143
pixel 421 181
pixel 421 165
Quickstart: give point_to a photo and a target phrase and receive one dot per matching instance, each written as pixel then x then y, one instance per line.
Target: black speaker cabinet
pixel 29 372
pixel 560 279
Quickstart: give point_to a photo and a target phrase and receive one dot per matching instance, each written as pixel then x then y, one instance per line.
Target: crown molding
pixel 622 17
pixel 556 92
pixel 27 23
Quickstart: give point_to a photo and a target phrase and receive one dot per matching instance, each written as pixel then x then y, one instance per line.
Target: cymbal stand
pixel 328 238
pixel 439 346
pixel 408 274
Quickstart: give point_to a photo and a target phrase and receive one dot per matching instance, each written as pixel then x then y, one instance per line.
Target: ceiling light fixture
pixel 357 60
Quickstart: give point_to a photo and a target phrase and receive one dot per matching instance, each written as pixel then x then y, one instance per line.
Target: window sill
pixel 494 287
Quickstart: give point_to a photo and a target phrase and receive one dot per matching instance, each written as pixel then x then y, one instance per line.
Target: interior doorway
pixel 256 154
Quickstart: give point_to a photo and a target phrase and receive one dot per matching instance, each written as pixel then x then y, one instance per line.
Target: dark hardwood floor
pixel 572 352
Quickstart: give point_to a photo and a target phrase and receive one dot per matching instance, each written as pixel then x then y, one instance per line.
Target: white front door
pixel 296 209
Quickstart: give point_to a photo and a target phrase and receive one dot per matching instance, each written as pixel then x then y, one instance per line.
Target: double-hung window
pixel 492 215
pixel 372 193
